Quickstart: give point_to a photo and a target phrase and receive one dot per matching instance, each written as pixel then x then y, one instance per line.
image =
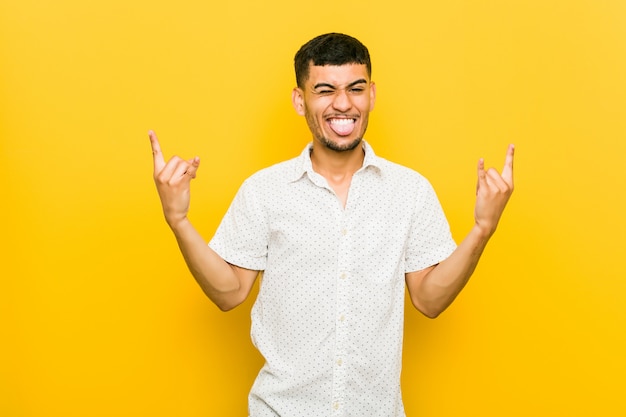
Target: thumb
pixel 194 163
pixel 481 175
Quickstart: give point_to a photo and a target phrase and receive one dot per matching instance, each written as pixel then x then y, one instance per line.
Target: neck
pixel 337 168
pixel 334 165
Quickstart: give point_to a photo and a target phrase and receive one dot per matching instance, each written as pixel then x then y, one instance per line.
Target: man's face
pixel 336 101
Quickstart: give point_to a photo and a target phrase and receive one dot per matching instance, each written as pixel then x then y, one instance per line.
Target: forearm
pixel 217 278
pixel 225 284
pixel 433 289
pixel 440 286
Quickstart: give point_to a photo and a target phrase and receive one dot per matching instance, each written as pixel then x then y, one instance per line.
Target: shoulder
pixel 401 176
pixel 279 172
pixel 269 182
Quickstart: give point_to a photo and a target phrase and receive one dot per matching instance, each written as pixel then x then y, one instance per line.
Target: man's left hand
pixel 492 193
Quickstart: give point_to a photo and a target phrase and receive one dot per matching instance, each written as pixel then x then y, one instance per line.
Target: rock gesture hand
pixel 492 193
pixel 172 180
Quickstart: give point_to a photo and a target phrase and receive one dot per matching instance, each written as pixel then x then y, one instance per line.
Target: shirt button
pixel 339 362
pixel 343 275
pixel 344 231
pixel 342 318
pixel 336 405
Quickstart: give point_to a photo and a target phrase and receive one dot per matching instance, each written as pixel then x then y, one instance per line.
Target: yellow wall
pixel 98 314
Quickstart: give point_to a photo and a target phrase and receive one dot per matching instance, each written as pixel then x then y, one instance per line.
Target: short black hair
pixel 330 49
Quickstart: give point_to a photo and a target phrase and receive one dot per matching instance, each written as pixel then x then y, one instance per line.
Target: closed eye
pixel 355 87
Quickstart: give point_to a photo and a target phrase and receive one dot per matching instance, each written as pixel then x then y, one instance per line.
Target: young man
pixel 339 233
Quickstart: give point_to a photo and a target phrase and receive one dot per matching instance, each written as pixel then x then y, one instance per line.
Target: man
pixel 339 233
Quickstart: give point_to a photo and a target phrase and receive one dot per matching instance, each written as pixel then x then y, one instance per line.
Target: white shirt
pixel 330 311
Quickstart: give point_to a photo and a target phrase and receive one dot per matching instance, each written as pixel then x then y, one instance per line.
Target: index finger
pixel 159 161
pixel 507 171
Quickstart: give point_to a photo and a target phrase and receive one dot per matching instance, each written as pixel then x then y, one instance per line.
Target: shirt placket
pixel 344 282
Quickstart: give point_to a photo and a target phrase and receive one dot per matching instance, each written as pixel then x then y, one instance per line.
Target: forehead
pixel 337 75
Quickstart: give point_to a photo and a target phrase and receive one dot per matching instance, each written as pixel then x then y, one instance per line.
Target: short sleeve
pixel 430 240
pixel 242 237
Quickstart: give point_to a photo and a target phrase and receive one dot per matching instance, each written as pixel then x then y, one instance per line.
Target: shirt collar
pixel 303 162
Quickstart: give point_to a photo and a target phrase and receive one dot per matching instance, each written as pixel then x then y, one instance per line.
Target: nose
pixel 342 101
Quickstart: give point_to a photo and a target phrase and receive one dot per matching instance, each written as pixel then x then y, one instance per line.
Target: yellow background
pixel 99 316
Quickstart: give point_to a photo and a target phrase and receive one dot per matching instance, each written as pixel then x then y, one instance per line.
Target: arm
pixel 433 289
pixel 225 284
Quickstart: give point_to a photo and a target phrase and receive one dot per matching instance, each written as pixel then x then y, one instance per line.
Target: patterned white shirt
pixel 329 315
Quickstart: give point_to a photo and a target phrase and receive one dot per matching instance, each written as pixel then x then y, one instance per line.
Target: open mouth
pixel 342 126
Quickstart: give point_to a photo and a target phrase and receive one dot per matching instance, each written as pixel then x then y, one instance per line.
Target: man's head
pixel 335 93
pixel 330 49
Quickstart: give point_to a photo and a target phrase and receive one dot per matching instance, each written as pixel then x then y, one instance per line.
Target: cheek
pixel 364 104
pixel 311 120
pixel 313 113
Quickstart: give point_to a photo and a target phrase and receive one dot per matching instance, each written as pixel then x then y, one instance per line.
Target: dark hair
pixel 330 49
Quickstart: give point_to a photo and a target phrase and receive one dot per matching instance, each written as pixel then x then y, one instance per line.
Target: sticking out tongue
pixel 342 127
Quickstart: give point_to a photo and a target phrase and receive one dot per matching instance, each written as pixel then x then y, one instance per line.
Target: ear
pixel 297 100
pixel 372 95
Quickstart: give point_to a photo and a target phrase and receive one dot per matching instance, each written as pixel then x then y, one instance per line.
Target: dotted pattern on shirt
pixel 329 315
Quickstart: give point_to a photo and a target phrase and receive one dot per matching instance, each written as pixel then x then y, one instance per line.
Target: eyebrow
pixel 352 84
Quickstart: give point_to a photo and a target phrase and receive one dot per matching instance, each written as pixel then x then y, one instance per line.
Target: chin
pixel 341 147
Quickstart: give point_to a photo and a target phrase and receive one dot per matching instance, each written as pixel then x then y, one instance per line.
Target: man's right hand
pixel 172 180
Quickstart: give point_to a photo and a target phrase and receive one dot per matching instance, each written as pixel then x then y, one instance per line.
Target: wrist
pixel 176 223
pixel 482 232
